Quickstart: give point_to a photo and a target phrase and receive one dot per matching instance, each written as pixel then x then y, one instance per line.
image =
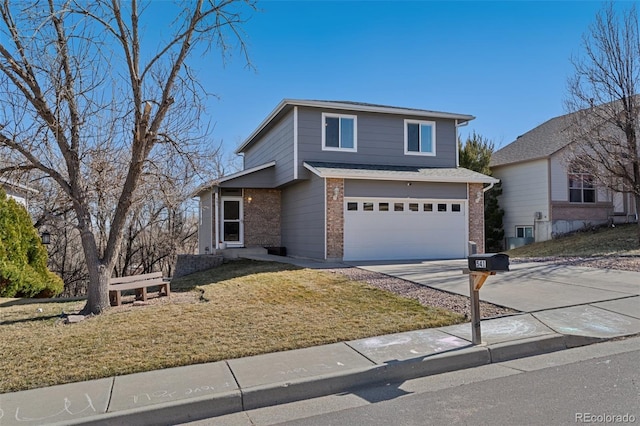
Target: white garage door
pixel 394 229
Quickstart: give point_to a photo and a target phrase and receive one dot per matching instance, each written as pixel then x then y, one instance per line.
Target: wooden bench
pixel 139 283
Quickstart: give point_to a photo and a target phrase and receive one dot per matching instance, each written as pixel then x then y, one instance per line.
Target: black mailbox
pixel 489 262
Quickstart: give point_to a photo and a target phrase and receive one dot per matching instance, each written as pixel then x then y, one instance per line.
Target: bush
pixel 23 258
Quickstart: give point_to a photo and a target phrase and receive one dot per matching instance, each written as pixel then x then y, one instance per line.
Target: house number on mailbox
pixel 481 264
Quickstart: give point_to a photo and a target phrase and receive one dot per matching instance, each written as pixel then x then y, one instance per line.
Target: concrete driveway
pixel 528 287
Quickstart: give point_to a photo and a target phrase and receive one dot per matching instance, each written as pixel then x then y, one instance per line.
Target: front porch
pixel 237 218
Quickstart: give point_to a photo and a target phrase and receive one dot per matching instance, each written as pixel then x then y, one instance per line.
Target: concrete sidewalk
pixel 194 392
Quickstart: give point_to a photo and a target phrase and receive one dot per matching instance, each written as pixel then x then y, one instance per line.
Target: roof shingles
pixel 540 142
pixel 409 173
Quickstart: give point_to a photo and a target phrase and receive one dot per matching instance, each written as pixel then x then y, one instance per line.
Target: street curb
pixel 313 387
pixel 168 413
pixel 574 341
pixel 507 351
pixel 306 388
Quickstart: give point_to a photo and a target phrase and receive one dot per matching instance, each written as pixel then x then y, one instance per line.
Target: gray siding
pixel 205 227
pixel 261 179
pixel 388 189
pixel 276 144
pixel 303 218
pixel 380 141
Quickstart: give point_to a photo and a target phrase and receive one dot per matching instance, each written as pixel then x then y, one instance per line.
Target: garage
pixel 396 229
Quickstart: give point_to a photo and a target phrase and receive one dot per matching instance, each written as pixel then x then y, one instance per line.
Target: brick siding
pixel 335 218
pixel 262 218
pixel 597 212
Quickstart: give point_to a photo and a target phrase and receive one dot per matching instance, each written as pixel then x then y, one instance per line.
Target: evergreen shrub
pixel 23 258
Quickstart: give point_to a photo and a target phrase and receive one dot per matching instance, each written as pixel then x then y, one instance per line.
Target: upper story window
pixel 581 188
pixel 419 137
pixel 340 132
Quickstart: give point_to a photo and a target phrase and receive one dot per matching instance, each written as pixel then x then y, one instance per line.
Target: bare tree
pixel 54 214
pixel 79 88
pixel 603 97
pixel 161 224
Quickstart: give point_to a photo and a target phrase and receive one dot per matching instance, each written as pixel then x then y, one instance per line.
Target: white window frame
pixel 420 123
pixel 581 177
pixel 324 133
pixel 524 230
pixel 240 220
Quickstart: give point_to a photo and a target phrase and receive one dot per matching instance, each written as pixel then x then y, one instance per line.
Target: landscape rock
pixel 73 319
pixel 427 296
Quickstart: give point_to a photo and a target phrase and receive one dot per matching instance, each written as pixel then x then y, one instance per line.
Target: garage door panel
pixel 396 235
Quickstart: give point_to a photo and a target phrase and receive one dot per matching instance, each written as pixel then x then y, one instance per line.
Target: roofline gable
pixel 232 176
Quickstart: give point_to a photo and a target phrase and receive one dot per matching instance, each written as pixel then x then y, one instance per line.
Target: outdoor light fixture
pixel 46 237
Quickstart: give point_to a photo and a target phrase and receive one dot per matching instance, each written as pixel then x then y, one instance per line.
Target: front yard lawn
pixel 242 308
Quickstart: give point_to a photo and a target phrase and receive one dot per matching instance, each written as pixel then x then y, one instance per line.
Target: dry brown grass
pixel 243 308
pixel 619 241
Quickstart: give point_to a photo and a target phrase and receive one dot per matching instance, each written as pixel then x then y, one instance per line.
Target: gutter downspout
pixel 484 190
pixel 295 143
pixel 215 220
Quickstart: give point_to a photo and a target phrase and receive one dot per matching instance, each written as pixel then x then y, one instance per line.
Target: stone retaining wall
pixel 191 263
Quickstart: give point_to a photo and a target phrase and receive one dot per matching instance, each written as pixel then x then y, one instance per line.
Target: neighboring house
pixel 349 181
pixel 544 194
pixel 17 191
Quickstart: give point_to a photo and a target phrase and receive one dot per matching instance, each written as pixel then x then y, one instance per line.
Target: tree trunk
pixel 637 198
pixel 98 293
pixel 99 275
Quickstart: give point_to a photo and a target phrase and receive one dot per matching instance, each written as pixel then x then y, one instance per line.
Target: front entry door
pixel 232 223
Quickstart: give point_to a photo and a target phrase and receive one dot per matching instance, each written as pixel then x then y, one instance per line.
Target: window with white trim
pixel 524 231
pixel 419 137
pixel 339 132
pixel 581 188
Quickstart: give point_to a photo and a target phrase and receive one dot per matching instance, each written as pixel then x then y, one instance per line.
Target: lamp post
pixel 46 238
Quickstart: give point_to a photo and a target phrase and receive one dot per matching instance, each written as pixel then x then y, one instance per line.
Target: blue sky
pixel 506 63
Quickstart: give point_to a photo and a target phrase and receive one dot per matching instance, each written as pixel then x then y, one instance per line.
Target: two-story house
pixel 545 193
pixel 349 181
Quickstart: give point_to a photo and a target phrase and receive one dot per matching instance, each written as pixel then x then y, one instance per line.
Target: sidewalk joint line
pixel 113 385
pixel 233 374
pixel 360 353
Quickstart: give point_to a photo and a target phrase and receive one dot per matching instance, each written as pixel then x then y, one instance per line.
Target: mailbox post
pixel 481 266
